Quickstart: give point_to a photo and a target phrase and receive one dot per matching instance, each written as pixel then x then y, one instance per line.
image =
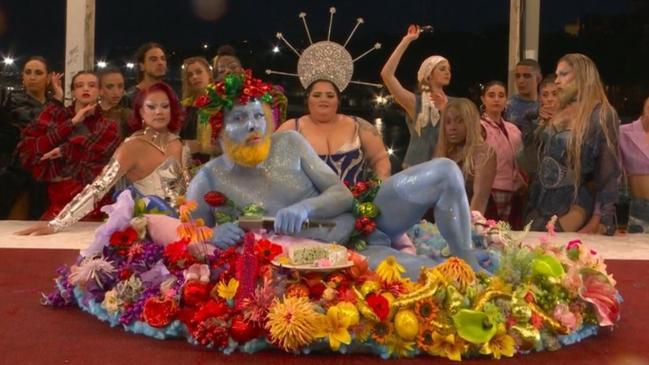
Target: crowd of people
pixel 554 148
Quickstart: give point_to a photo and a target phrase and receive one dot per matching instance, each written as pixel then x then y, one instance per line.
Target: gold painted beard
pixel 245 155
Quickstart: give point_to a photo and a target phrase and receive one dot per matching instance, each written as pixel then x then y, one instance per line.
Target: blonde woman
pixel 196 75
pixel 460 140
pixel 579 172
pixel 423 107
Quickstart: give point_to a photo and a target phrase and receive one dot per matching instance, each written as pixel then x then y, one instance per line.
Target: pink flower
pixel 573 244
pixel 563 314
pixel 598 290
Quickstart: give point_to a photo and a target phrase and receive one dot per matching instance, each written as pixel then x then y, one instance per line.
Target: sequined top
pixel 552 191
pixel 167 181
pixel 349 161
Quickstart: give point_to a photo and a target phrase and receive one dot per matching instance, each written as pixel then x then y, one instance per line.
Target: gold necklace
pixel 157 139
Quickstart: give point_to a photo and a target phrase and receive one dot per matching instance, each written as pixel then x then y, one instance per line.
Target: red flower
pixel 178 256
pixel 214 199
pixel 369 227
pixel 315 291
pixel 365 225
pixel 529 297
pixel 124 274
pixel 195 293
pixel 266 251
pixel 243 331
pixel 379 305
pixel 360 188
pixel 123 239
pixel 201 101
pixel 158 312
pixel 211 308
pixel 536 320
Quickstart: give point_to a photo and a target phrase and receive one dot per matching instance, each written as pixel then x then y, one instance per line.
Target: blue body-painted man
pixel 283 175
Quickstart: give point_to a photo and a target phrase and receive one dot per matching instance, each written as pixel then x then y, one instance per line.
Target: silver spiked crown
pixel 326 60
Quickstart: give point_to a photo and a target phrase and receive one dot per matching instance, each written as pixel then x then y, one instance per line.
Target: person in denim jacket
pixel 578 175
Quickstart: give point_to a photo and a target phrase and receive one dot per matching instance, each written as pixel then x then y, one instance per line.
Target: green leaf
pixel 474 326
pixel 548 266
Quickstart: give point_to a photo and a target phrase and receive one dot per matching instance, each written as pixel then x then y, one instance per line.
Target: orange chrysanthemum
pixel 457 271
pixel 293 323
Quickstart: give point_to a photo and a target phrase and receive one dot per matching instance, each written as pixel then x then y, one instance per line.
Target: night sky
pixel 472 34
pixel 124 24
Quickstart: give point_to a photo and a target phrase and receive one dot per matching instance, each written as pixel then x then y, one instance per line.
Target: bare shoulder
pixel 289 124
pixel 367 127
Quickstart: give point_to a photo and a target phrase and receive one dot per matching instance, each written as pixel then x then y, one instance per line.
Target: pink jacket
pixel 507 146
pixel 634 148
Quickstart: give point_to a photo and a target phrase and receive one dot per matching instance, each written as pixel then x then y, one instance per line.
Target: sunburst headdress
pixel 326 60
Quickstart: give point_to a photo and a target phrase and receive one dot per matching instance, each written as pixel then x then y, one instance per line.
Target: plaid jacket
pixel 86 147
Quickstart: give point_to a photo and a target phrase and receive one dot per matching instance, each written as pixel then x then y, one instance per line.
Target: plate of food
pixel 314 257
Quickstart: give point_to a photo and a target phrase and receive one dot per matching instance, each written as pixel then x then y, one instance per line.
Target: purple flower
pixel 133 311
pixel 62 295
pixel 119 217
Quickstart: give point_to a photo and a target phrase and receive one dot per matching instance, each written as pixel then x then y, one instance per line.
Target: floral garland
pixel 540 298
pixel 234 89
pixel 365 212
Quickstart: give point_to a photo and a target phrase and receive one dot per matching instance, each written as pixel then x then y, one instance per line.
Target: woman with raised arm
pixel 67 147
pixel 424 106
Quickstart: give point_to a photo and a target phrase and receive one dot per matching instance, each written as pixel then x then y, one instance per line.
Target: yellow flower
pixel 499 345
pixel 335 327
pixel 390 270
pixel 228 292
pixel 449 346
pixel 457 271
pixel 293 323
pixel 398 346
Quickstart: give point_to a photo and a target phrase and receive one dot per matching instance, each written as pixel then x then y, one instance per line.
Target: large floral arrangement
pixel 541 297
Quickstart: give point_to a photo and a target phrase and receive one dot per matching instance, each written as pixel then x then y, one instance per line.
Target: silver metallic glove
pixel 84 202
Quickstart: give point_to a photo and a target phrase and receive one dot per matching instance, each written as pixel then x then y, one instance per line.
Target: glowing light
pixel 205 45
pixel 390 151
pixel 8 61
pixel 102 64
pixel 275 49
pixel 130 65
pixel 381 100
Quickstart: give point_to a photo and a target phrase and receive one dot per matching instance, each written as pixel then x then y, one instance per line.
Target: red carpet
pixel 33 334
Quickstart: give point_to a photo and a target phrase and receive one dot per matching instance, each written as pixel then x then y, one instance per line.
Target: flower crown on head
pixel 235 88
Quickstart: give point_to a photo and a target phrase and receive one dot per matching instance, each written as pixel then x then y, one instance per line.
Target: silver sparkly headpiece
pixel 326 60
